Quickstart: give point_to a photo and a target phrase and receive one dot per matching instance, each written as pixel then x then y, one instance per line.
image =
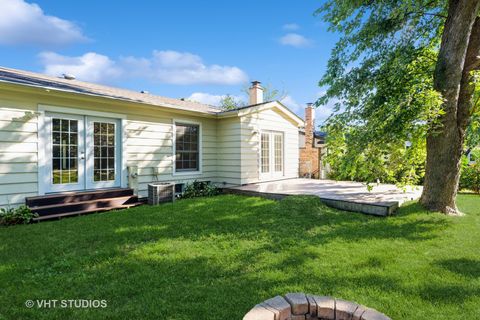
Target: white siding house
pixel 59 135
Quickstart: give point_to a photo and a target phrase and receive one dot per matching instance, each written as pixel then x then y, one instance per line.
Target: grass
pixel 215 258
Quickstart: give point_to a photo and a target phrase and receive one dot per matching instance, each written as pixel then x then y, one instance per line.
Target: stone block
pixel 259 312
pixel 357 315
pixel 297 317
pixel 281 305
pixel 325 307
pixel 312 306
pixel 371 314
pixel 344 309
pixel 298 302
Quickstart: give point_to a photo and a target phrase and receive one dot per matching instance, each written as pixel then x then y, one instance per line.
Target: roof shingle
pixel 40 80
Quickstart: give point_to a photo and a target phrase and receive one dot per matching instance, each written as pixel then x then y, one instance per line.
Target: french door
pixel 271 155
pixel 81 153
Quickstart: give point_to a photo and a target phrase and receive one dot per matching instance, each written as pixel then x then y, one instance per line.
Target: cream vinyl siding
pixel 229 143
pixel 18 152
pixel 148 141
pixel 267 120
pixel 228 151
pixel 150 147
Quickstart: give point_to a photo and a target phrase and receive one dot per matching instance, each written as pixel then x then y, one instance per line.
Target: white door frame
pixel 63 187
pixel 89 156
pixel 271 174
pixel 43 140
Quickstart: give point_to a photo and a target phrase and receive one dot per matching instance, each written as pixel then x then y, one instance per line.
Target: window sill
pixel 186 173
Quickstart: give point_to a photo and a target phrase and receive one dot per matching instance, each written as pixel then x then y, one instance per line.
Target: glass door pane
pixel 64 151
pixel 103 151
pixel 278 152
pixel 103 147
pixel 265 152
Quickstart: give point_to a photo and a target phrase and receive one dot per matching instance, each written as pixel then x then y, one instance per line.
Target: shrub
pixel 470 177
pixel 19 215
pixel 200 189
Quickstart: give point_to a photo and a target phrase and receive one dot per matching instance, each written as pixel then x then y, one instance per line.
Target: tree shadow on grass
pixel 462 266
pixel 442 293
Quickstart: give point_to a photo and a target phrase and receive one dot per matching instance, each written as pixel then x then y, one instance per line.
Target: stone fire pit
pixel 301 306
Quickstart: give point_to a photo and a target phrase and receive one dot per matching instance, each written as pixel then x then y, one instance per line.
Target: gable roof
pixel 38 80
pixel 241 111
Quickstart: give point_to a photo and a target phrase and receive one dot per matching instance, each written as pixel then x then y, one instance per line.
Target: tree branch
pixel 472 59
pixel 429 14
pixel 473 64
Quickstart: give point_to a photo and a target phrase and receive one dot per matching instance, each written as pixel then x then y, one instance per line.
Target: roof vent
pixel 68 76
pixel 144 91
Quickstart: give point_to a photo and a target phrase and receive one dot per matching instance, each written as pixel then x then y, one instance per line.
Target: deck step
pixel 82 212
pixel 83 205
pixel 73 197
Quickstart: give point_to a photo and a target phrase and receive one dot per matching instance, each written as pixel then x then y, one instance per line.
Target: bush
pixel 19 215
pixel 200 189
pixel 470 177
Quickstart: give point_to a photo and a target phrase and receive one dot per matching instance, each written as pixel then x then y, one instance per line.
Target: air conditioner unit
pixel 160 192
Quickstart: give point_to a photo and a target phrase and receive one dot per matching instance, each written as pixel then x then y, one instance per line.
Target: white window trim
pixel 43 139
pixel 200 147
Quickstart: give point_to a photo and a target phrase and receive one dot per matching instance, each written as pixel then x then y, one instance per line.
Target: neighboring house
pixel 312 148
pixel 470 154
pixel 59 135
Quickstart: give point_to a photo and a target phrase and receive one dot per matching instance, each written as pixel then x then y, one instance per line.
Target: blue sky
pixel 180 49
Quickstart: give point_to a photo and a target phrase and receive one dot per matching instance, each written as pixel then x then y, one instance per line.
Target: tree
pixel 407 66
pixel 229 102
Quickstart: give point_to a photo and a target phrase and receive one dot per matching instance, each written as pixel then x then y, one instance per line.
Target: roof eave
pixel 99 96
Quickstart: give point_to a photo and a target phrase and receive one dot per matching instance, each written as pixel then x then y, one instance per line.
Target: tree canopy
pixel 381 73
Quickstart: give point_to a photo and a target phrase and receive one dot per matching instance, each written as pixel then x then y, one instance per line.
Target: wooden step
pixel 83 205
pixel 72 197
pixel 82 212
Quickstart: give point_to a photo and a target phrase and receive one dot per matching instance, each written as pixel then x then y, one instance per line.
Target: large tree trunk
pixel 457 57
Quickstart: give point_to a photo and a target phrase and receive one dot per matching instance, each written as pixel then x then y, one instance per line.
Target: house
pixel 312 146
pixel 61 135
pixel 471 155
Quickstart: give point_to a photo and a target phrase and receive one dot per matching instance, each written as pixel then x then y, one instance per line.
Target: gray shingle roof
pixel 43 81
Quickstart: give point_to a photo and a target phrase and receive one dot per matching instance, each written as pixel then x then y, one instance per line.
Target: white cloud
pixel 23 23
pixel 183 68
pixel 295 40
pixel 323 112
pixel 211 99
pixel 291 26
pixel 207 98
pixel 292 104
pixel 91 66
pixel 164 66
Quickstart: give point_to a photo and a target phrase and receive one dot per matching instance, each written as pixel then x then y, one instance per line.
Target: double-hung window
pixel 187 147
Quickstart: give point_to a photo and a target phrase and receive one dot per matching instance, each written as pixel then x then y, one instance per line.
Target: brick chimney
pixel 309 125
pixel 255 93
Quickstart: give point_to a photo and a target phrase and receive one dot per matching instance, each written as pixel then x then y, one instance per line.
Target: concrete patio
pixel 382 200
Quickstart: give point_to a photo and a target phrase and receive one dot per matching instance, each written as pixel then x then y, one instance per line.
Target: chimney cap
pixel 255 82
pixel 309 104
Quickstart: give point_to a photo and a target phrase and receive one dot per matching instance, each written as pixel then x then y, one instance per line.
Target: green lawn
pixel 215 258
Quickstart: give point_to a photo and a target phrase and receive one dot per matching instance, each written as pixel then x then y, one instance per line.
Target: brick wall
pixel 309 156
